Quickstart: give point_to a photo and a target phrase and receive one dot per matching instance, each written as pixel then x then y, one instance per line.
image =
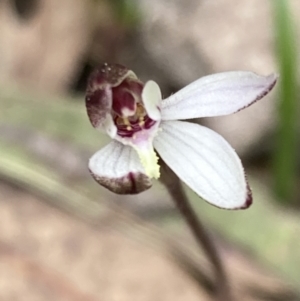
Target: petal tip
pixel 270 82
pixel 248 201
pixel 132 183
pixel 273 77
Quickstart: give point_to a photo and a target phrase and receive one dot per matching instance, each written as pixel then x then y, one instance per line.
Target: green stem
pixel 285 151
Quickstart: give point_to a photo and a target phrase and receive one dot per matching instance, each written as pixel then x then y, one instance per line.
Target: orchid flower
pixel 141 123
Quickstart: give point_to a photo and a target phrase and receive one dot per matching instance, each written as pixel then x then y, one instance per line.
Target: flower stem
pixel 175 189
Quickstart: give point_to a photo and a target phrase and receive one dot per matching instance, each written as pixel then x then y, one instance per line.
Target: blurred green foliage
pixel 126 12
pixel 285 152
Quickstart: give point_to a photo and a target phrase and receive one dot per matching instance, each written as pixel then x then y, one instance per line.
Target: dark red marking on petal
pixel 132 183
pixel 126 95
pixel 249 198
pixel 132 179
pixel 123 130
pixel 149 123
pixel 262 94
pixel 123 99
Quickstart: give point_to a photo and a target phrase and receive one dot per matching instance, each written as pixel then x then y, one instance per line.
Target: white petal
pixel 118 168
pixel 205 162
pixel 218 94
pixel 151 96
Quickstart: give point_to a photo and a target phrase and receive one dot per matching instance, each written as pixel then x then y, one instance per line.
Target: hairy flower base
pixel 134 115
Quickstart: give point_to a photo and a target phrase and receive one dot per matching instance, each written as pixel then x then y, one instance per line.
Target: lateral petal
pixel 117 167
pixel 151 97
pixel 217 94
pixel 204 161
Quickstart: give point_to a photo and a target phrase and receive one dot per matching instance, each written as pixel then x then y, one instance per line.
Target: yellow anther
pixel 140 111
pixel 141 121
pixel 119 121
pixel 126 121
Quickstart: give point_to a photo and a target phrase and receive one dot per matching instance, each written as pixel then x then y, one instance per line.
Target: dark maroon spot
pixel 248 202
pixel 135 126
pixel 123 99
pixel 249 198
pixel 133 184
pixel 149 123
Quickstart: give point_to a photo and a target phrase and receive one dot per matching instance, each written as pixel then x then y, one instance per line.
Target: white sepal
pixel 217 94
pixel 118 168
pixel 204 161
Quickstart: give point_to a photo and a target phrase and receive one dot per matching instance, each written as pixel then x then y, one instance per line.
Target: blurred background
pixel 62 236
